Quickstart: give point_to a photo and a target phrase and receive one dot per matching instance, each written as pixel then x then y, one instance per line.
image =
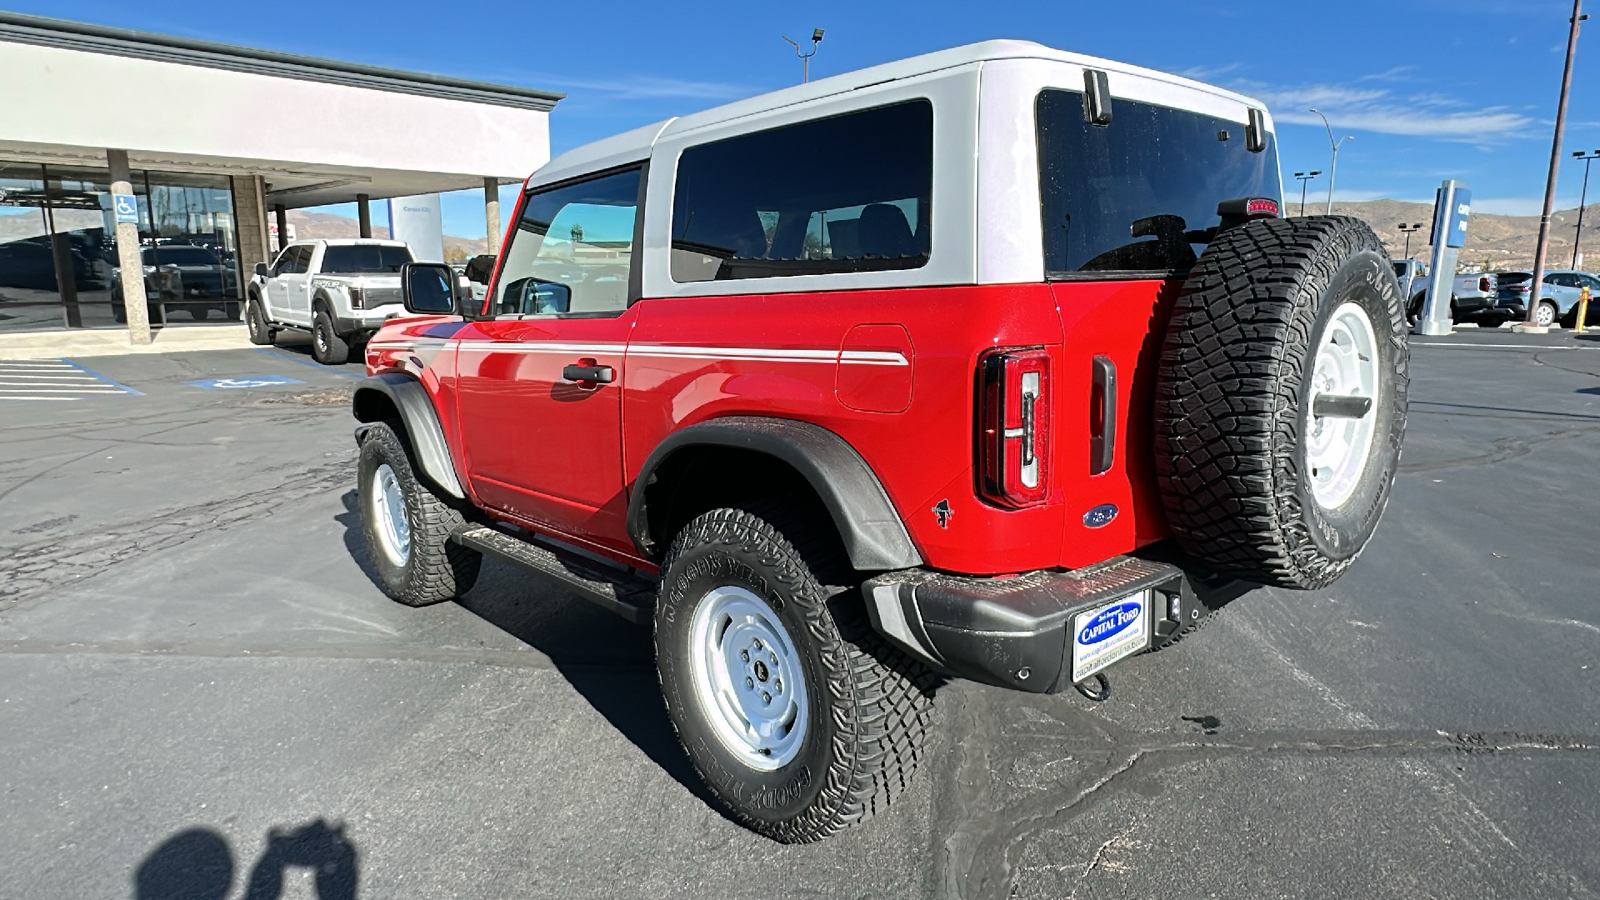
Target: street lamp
pixel 1305 177
pixel 1582 199
pixel 816 38
pixel 1333 169
pixel 1408 231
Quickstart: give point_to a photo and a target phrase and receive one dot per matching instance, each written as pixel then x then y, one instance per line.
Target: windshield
pixel 1139 195
pixel 364 259
pixel 179 256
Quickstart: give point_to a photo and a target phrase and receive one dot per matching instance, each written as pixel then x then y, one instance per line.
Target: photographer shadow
pixel 196 864
pixel 610 662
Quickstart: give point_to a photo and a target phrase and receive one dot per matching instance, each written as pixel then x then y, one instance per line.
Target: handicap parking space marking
pixel 326 370
pixel 36 380
pixel 243 382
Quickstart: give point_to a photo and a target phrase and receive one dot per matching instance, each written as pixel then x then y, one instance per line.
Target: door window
pixel 572 250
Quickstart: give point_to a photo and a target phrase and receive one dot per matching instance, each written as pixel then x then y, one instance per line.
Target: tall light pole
pixel 1540 248
pixel 1408 231
pixel 1305 177
pixel 1583 198
pixel 816 38
pixel 1333 169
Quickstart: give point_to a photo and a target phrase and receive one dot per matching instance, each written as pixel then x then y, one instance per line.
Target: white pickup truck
pixel 1472 297
pixel 339 290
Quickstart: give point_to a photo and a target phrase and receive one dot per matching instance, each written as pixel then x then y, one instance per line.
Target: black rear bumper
pixel 1016 632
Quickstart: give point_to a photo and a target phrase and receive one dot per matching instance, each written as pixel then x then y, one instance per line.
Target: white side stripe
pixel 661 351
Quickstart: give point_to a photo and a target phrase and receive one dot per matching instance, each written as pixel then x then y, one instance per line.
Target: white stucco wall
pixel 73 97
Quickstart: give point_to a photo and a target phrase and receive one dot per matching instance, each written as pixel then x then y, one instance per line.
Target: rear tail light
pixel 1484 285
pixel 358 297
pixel 1014 427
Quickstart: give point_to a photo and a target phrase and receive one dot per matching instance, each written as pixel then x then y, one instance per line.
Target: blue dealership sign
pixel 1451 212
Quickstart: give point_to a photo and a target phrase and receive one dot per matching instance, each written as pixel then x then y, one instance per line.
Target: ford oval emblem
pixel 1109 622
pixel 1100 516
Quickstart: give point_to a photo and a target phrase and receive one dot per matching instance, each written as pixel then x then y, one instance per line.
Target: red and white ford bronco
pixel 993 363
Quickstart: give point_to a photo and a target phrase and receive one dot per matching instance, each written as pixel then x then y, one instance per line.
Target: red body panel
pixel 561 458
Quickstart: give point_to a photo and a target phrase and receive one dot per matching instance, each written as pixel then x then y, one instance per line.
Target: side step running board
pixel 625 594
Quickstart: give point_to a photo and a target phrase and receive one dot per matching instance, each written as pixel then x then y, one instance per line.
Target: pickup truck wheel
pixel 327 347
pixel 255 322
pixel 1281 400
pixel 796 715
pixel 408 528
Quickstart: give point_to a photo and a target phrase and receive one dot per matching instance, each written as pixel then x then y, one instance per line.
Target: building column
pixel 491 213
pixel 250 217
pixel 364 214
pixel 129 262
pixel 283 226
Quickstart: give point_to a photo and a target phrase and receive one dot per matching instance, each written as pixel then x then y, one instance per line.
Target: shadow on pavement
pixel 196 864
pixel 608 661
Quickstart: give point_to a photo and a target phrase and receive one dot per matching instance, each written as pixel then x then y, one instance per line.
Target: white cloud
pixel 1381 110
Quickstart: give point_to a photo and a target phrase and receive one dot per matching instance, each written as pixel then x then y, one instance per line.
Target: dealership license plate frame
pixel 1089 660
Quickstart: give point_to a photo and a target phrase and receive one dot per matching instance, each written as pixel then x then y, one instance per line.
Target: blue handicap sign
pixel 125 207
pixel 243 382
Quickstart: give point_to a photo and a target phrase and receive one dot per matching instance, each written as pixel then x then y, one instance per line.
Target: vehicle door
pixel 299 283
pixel 278 277
pixel 540 377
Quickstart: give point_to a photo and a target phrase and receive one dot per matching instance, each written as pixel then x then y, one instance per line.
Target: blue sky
pixel 1431 89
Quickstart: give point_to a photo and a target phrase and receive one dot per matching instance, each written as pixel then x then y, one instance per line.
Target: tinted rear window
pixel 849 193
pixel 1138 195
pixel 1508 278
pixel 180 256
pixel 359 259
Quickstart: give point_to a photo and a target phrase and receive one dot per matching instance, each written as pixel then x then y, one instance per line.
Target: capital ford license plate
pixel 1108 633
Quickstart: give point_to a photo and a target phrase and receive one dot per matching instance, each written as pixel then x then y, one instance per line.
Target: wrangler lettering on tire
pixel 1281 401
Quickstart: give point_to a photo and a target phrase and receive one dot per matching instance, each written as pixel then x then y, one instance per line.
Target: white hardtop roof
pixel 631 146
pixel 345 242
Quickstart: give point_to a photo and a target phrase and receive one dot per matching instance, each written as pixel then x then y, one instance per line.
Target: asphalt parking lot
pixel 202 690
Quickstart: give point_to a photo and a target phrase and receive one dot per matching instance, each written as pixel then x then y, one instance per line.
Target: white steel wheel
pixel 394 528
pixel 748 678
pixel 1337 447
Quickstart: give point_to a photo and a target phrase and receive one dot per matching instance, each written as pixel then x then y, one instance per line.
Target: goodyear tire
pixel 798 718
pixel 1281 400
pixel 327 347
pixel 407 527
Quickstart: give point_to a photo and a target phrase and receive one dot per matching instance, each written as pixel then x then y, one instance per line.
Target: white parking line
pixel 54 379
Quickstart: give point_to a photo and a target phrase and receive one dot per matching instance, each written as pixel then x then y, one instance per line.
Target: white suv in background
pixel 340 290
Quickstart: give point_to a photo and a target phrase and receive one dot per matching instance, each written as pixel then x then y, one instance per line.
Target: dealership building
pixel 123 149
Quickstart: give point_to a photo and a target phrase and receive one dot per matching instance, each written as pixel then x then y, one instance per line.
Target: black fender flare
pixel 421 422
pixel 873 534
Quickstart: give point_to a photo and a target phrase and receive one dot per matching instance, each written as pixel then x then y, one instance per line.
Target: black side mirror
pixel 429 289
pixel 261 269
pixel 480 268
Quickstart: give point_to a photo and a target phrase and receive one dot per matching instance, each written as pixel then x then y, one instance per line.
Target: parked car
pixel 1472 297
pixel 841 421
pixel 1558 297
pixel 181 276
pixel 339 290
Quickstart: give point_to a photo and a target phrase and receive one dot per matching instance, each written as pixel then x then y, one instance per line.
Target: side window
pixel 850 193
pixel 1562 279
pixel 300 262
pixel 280 266
pixel 572 250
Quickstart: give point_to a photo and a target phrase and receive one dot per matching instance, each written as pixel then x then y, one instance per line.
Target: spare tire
pixel 1281 400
